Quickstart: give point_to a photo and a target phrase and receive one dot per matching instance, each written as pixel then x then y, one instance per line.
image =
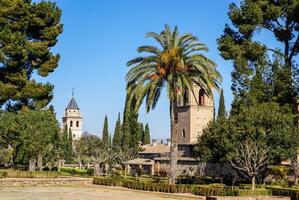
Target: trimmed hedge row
pixel 107 181
pixel 202 190
pixel 73 171
pixel 293 193
pixel 33 174
pixel 157 187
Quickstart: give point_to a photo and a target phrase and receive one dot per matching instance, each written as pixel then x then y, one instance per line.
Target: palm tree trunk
pixel 174 137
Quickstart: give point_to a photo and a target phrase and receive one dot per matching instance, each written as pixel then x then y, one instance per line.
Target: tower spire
pixel 73 91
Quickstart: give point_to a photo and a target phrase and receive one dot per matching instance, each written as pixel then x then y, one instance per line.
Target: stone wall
pixel 45 181
pixel 248 198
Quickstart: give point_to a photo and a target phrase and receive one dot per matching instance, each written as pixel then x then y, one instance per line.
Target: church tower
pixel 193 117
pixel 73 119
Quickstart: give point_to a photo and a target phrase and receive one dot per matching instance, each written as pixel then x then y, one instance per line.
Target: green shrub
pixel 55 169
pixel 90 172
pixel 157 187
pixel 3 174
pixel 73 171
pixel 108 181
pixel 293 193
pixel 256 192
pixel 209 190
pixel 46 168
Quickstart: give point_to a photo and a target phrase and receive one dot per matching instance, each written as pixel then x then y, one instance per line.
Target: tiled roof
pixel 159 148
pixel 179 158
pixel 141 161
pixel 73 104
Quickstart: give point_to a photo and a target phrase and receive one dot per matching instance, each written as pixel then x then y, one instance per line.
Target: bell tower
pixel 73 119
pixel 195 111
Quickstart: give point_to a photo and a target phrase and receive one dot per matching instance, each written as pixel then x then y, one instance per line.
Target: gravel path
pixel 81 192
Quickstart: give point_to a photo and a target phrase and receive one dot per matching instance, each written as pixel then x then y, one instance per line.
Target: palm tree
pixel 176 64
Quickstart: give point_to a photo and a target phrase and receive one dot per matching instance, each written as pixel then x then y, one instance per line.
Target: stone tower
pixel 193 117
pixel 73 119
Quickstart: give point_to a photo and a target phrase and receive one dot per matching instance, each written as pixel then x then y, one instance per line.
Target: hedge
pixel 32 174
pixel 107 181
pixel 206 190
pixel 293 193
pixel 157 187
pixel 73 171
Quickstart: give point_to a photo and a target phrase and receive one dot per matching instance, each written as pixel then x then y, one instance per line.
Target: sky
pixel 99 38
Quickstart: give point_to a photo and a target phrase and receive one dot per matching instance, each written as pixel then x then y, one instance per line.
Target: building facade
pixel 195 111
pixel 73 120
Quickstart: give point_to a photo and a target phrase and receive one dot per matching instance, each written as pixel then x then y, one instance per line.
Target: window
pixel 71 123
pixel 201 99
pixel 186 98
pixel 183 133
pixel 74 135
pixel 77 124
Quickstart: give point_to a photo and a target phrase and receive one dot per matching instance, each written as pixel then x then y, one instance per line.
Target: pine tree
pixel 141 133
pixel 117 137
pixel 105 135
pixel 146 137
pixel 28 32
pixel 221 109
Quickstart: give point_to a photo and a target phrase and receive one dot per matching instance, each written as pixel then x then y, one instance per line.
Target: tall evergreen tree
pixel 27 34
pixel 105 135
pixel 252 59
pixel 221 109
pixel 146 139
pixel 117 137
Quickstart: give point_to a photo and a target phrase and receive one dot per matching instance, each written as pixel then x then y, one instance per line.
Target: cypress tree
pixel 105 135
pixel 117 137
pixel 221 109
pixel 146 137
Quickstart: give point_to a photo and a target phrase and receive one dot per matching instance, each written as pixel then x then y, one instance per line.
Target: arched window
pixel 186 98
pixel 77 124
pixel 183 133
pixel 201 98
pixel 71 123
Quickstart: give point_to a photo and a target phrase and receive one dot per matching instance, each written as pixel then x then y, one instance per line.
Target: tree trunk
pixel 253 183
pixel 96 167
pixel 174 137
pixel 32 164
pixel 40 161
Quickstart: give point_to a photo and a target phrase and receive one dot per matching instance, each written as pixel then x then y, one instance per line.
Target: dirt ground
pixel 80 192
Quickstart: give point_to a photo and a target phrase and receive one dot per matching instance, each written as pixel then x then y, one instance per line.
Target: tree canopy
pixel 28 32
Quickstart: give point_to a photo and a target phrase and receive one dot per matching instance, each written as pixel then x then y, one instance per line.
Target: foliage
pixel 108 181
pixel 33 133
pixel 178 65
pixel 117 137
pixel 105 135
pixel 146 138
pixel 28 32
pixel 6 156
pixel 3 174
pixel 293 193
pixel 221 109
pixel 265 122
pixel 73 171
pixel 252 58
